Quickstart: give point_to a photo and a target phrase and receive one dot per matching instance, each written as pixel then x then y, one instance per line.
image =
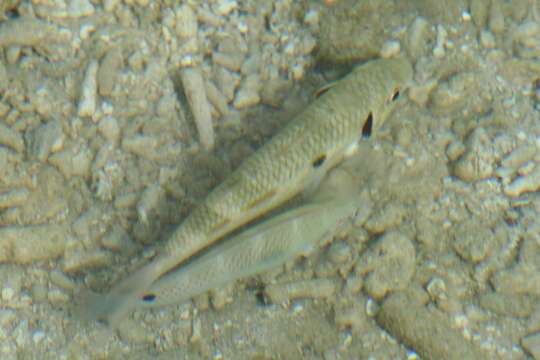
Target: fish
pixel 273 242
pixel 325 133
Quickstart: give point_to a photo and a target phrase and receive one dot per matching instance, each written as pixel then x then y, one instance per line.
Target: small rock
pixel 487 39
pixel 8 294
pixel 88 101
pixel 339 252
pixel 523 184
pixel 47 138
pixel 80 8
pixel 38 336
pixel 390 264
pixel 507 304
pixel 58 296
pixel 390 48
pixel 108 127
pixel 518 280
pixel 473 242
pixel 386 218
pixel 478 161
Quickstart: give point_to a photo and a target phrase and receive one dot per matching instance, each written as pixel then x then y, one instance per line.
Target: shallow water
pixel 450 226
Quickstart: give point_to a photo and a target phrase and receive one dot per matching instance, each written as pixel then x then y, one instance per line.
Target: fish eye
pixel 319 161
pixel 395 95
pixel 149 297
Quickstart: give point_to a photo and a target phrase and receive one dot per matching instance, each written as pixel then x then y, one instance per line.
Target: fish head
pixel 397 80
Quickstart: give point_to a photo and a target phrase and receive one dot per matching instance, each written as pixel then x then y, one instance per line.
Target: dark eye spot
pixel 319 161
pixel 395 95
pixel 149 297
pixel 368 126
pixel 262 299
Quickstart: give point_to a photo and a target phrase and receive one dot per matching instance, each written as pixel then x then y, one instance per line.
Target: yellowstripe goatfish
pixel 298 156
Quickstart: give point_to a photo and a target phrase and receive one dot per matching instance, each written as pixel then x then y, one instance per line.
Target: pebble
pixel 353 317
pixel 216 98
pixel 389 264
pixel 519 280
pixel 8 294
pixel 420 93
pixel 523 184
pixel 79 8
pixel 424 329
pixel 385 218
pixel 473 242
pixel 450 95
pixel 248 94
pixel 455 149
pixel 390 49
pixel 8 317
pixel 224 7
pixel 88 100
pixel 133 331
pixel 222 296
pixel 186 22
pixel 496 17
pixel 487 39
pixel 61 280
pixel 479 12
pixel 227 82
pixel 118 240
pixel 46 139
pixel 315 288
pixel 231 62
pixel 13 198
pixel 24 31
pixel 196 331
pixel 149 202
pixel 514 305
pixel 418 37
pixel 478 161
pixel 209 18
pixel 339 252
pixel 41 242
pixel 82 260
pixel 56 296
pixel 11 138
pixel 442 35
pixel 194 88
pixel 436 288
pixel 39 293
pixel 3 84
pixel 109 128
pixel 73 162
pixel 13 54
pixel 108 70
pixel 38 336
pixel 519 156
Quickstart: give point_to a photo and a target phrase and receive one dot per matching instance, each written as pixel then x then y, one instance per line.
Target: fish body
pixel 261 247
pixel 315 141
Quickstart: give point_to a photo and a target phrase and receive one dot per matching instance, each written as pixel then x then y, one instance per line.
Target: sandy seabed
pixel 117 117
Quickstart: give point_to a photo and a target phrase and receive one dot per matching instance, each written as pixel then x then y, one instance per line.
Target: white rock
pixel 225 7
pixel 88 100
pixel 8 294
pixel 390 48
pixel 523 184
pixel 80 8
